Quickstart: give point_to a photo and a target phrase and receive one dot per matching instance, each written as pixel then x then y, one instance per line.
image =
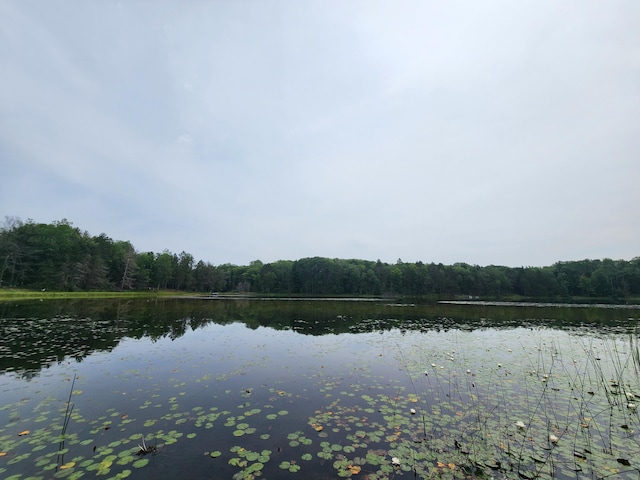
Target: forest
pixel 59 256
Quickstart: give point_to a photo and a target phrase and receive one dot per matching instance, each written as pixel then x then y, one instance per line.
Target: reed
pixel 65 424
pixel 574 412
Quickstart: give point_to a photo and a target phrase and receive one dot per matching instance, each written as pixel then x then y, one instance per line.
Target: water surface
pixel 309 389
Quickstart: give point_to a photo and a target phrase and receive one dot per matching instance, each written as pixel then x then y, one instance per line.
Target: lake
pixel 317 389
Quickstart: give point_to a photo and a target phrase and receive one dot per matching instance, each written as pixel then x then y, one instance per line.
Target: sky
pixel 491 133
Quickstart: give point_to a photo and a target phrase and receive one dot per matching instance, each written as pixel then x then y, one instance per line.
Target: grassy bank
pixel 12 294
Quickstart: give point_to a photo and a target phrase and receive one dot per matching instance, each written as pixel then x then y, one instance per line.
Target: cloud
pixel 486 133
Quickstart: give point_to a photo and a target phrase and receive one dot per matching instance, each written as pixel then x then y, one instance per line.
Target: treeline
pixel 59 256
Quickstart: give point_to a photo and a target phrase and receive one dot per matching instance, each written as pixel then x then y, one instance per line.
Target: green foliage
pixel 61 257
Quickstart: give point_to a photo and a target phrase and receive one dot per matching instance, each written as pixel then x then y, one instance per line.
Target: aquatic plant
pixel 145 448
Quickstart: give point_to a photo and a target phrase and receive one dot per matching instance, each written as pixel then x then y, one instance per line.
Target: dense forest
pixel 59 256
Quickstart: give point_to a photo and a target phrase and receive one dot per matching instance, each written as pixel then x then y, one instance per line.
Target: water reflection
pixel 327 385
pixel 36 335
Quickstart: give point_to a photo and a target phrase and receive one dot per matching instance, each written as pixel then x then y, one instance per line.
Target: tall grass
pixel 65 423
pixel 569 413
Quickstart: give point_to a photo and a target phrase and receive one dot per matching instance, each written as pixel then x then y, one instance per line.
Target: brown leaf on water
pixel 450 466
pixel 23 433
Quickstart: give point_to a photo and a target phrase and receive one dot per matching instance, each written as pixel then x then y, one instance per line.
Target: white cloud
pixel 458 131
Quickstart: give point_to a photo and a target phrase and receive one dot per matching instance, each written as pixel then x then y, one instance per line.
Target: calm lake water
pixel 308 389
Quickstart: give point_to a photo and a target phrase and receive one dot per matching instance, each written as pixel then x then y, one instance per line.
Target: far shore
pixel 18 294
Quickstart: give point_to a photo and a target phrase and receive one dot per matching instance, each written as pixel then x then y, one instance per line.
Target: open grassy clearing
pixel 11 294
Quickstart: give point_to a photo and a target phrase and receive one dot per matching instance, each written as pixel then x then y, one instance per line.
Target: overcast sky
pixel 486 132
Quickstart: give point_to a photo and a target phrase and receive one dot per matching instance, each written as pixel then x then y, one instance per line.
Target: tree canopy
pixel 59 256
